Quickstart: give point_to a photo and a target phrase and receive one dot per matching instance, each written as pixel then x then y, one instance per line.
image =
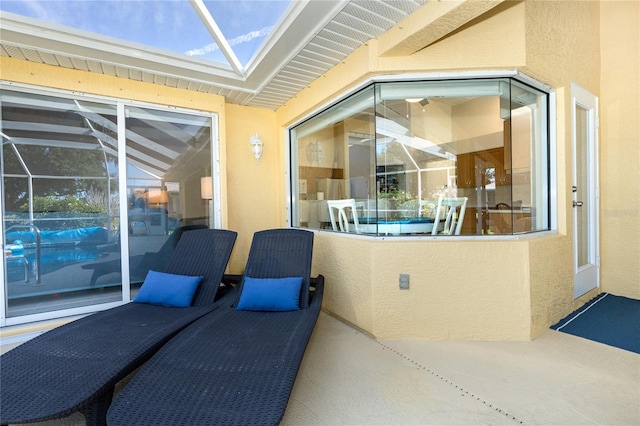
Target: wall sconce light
pixel 256 146
pixel 315 152
pixel 206 189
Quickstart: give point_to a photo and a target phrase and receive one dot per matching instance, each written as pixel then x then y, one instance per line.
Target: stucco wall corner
pixel 551 276
pixel 345 263
pixel 561 42
pixel 619 138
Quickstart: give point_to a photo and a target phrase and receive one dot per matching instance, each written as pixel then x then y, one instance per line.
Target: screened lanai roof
pixel 196 29
pixel 258 52
pixel 36 128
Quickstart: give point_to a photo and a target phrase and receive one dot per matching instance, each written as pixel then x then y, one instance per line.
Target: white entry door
pixel 585 190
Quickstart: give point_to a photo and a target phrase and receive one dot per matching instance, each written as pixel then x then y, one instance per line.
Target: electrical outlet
pixel 404 281
pixel 303 186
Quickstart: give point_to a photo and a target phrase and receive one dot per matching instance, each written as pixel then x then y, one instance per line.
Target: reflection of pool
pixel 51 259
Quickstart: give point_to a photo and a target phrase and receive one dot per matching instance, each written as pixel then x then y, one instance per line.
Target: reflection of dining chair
pixel 448 209
pixel 342 221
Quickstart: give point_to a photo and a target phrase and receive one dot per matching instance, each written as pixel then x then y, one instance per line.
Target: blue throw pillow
pixel 270 294
pixel 169 290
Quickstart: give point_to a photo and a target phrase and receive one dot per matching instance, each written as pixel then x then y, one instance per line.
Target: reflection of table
pixel 396 227
pixel 315 214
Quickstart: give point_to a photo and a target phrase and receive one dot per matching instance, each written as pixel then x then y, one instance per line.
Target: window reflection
pixel 62 224
pixel 60 203
pixel 437 157
pixel 167 154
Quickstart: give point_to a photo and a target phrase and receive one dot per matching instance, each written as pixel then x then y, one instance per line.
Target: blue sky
pixel 167 24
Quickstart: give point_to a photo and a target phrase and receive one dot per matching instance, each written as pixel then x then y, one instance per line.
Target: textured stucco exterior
pixel 254 187
pixel 620 148
pixel 449 302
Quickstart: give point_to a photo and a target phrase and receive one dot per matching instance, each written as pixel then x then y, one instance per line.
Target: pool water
pixel 51 259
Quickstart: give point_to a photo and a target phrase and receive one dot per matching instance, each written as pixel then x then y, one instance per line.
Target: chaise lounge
pixel 140 264
pixel 238 364
pixel 76 366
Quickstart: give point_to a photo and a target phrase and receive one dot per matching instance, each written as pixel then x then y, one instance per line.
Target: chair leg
pixel 94 277
pixel 96 413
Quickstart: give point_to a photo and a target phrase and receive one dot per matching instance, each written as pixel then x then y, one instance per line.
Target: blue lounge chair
pixel 234 366
pixel 76 366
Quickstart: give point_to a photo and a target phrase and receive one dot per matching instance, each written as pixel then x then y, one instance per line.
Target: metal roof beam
pixel 216 33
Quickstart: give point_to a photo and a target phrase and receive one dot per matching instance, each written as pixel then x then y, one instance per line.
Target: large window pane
pixel 465 157
pixel 334 157
pixel 167 155
pixel 527 158
pixel 60 200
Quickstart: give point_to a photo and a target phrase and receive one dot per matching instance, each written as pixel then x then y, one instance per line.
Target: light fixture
pixel 157 196
pixel 315 152
pixel 256 146
pixel 206 189
pixel 422 101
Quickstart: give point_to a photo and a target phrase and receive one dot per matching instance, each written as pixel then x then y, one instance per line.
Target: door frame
pixel 586 277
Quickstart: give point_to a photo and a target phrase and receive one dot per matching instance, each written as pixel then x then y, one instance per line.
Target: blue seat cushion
pixel 169 290
pixel 270 294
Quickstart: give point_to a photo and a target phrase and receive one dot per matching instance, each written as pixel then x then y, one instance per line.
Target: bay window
pixel 435 157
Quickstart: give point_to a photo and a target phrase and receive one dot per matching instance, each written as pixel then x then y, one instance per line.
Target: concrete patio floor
pixel 349 378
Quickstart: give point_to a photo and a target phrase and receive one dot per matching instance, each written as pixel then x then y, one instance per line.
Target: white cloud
pixel 263 32
pixel 38 10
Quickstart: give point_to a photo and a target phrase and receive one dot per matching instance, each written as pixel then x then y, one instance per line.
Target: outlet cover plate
pixel 404 281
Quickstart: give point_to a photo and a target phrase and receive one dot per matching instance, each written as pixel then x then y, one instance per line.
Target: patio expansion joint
pixel 465 392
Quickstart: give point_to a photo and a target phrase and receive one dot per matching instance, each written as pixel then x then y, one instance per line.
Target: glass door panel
pixel 60 202
pixel 582 215
pixel 168 155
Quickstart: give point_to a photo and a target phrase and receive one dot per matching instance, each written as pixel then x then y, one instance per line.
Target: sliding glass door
pixel 95 193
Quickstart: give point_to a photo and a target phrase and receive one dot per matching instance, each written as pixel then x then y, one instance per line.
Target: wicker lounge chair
pixel 140 264
pixel 231 366
pixel 75 367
